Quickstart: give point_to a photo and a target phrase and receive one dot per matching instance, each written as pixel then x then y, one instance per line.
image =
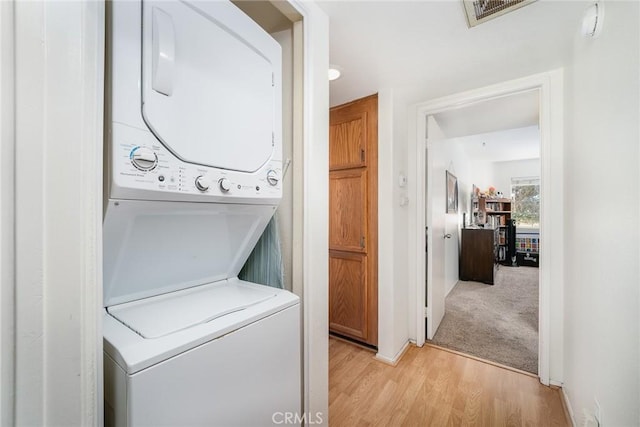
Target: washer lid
pixel 211 84
pixel 165 314
pixel 152 248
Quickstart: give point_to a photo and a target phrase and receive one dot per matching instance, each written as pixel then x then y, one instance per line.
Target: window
pixel 525 193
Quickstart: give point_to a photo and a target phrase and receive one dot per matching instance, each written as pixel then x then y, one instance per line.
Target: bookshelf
pixel 493 213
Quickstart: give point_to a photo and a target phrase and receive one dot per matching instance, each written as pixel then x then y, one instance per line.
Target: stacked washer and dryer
pixel 194 169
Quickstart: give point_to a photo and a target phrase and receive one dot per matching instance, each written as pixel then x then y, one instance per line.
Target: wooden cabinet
pixel 353 216
pixel 348 294
pixel 478 255
pixel 348 140
pixel 348 216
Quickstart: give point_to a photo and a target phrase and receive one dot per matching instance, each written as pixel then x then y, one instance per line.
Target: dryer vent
pixel 479 11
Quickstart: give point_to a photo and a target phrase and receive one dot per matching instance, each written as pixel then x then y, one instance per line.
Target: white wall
pixel 7 276
pixel 481 173
pixel 498 174
pixel 457 162
pixel 392 232
pixel 401 270
pixel 386 282
pixel 504 171
pixel 602 295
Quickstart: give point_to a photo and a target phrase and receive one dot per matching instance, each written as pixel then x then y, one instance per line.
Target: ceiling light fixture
pixel 334 73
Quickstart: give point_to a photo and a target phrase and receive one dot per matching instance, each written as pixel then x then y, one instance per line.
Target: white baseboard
pixel 567 405
pixel 395 359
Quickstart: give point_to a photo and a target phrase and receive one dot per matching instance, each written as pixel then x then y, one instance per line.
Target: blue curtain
pixel 264 265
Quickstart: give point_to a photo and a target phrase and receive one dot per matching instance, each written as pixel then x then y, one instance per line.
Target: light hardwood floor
pixel 433 387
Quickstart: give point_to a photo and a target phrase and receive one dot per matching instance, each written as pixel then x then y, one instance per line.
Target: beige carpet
pixel 498 323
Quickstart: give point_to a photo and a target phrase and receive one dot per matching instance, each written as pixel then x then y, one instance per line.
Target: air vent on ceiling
pixel 479 11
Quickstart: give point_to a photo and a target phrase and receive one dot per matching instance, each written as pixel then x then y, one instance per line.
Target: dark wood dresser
pixel 478 255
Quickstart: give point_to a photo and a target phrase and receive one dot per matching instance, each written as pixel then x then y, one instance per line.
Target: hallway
pixel 430 386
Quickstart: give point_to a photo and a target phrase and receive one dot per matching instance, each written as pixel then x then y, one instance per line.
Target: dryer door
pixel 210 84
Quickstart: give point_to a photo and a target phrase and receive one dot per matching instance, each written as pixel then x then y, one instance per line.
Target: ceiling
pixel 424 49
pixel 507 112
pixel 502 146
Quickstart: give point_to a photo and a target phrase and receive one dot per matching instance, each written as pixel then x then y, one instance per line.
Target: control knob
pixel 143 158
pixel 203 183
pixel 225 184
pixel 272 177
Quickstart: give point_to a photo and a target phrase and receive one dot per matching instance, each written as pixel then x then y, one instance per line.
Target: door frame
pixel 310 269
pixel 550 86
pixel 57 184
pixel 7 209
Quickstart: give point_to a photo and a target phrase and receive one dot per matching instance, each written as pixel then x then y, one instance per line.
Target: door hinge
pixel 362 154
pixel 273 139
pixel 362 242
pixel 273 80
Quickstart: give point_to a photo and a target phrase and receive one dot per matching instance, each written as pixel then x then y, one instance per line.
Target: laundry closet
pixel 194 171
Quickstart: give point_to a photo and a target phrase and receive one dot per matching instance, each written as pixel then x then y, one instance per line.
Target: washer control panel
pixel 139 162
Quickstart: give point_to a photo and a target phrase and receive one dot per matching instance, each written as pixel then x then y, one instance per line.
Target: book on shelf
pixel 502 237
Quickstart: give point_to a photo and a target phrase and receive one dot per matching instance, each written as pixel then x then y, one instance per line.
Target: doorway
pixel 490 308
pixel 551 225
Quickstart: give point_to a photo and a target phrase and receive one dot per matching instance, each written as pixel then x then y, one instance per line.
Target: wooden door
pixel 353 220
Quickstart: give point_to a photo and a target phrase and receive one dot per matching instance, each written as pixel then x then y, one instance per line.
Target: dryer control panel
pixel 143 168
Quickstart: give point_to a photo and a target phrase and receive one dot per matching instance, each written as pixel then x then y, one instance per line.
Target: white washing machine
pixel 194 168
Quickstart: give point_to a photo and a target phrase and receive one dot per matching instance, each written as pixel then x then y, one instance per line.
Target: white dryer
pixel 194 169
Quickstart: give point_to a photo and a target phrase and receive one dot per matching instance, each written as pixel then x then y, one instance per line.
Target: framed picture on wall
pixel 452 193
